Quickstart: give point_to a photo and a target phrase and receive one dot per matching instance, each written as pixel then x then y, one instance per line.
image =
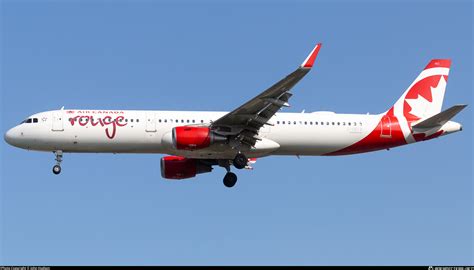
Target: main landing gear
pixel 239 162
pixel 59 158
pixel 230 179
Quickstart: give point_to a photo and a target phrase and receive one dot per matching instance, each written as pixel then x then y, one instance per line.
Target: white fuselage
pixel 113 131
pixel 142 132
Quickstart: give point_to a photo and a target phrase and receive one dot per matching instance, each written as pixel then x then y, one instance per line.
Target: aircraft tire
pixel 240 161
pixel 57 169
pixel 230 179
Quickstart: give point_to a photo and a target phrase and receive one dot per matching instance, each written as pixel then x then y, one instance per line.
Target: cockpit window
pixel 30 120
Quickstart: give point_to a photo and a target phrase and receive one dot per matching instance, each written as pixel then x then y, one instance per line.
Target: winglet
pixel 309 61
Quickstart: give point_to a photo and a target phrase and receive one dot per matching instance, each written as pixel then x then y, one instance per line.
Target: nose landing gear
pixel 59 159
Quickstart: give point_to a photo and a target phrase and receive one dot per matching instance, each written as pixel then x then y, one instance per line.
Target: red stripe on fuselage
pixel 377 140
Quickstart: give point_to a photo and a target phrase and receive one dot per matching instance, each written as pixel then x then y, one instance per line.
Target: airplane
pixel 196 141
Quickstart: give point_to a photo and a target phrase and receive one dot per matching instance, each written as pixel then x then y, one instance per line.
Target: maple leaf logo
pixel 420 107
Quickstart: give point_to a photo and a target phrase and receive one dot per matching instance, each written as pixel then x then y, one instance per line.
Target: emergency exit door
pixel 150 122
pixel 57 121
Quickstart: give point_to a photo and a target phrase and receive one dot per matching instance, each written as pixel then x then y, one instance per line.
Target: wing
pixel 245 121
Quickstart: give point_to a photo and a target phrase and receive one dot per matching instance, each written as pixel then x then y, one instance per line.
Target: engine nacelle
pixel 174 167
pixel 194 138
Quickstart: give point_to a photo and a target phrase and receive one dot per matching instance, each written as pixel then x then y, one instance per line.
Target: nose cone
pixel 9 137
pixel 12 137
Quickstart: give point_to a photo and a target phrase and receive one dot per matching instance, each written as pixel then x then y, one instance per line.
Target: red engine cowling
pixel 193 138
pixel 174 167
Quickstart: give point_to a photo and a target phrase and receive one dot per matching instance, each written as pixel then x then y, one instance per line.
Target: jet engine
pixel 174 167
pixel 194 138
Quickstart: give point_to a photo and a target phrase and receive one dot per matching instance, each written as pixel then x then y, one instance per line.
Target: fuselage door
pixel 386 128
pixel 57 121
pixel 150 122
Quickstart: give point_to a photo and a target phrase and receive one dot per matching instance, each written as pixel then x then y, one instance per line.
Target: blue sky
pixel 409 205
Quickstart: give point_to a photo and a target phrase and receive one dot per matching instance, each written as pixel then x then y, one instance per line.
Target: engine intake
pixel 174 167
pixel 194 138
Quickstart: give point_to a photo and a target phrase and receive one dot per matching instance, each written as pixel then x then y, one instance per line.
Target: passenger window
pixel 182 121
pixel 348 123
pixel 193 121
pixel 333 123
pixel 278 122
pixel 187 121
pixel 294 122
pixel 176 121
pixel 338 123
pixel 316 123
pixel 202 121
pixel 327 123
pixel 305 122
pixel 131 120
pixel 322 123
pixel 159 120
pixel 343 123
pixel 138 120
pixel 311 122
pixel 283 122
pixel 166 120
pixel 355 124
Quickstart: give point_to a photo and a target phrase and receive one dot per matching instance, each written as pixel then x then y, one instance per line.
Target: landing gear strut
pixel 59 158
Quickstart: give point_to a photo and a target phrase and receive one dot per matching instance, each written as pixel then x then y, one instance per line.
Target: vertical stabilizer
pixel 424 97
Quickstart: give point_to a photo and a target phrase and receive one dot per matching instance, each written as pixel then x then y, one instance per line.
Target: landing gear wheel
pixel 59 159
pixel 230 179
pixel 240 161
pixel 56 169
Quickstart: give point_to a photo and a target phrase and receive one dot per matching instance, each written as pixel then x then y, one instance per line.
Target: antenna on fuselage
pixel 62 108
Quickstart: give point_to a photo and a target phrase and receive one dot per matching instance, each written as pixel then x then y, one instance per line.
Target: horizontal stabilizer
pixel 440 118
